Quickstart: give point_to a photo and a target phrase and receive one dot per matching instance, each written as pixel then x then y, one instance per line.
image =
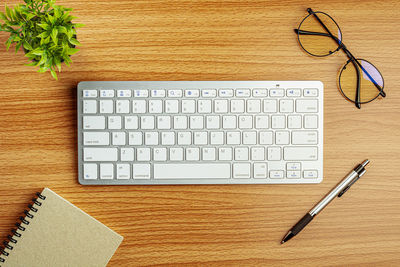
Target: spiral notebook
pixel 56 233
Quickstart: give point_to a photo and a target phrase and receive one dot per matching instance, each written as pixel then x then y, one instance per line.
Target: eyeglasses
pixel 359 81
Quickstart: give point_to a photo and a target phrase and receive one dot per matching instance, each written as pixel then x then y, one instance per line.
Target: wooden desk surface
pixel 238 225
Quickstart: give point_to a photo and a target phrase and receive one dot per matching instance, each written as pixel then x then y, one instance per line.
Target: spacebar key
pixel 192 171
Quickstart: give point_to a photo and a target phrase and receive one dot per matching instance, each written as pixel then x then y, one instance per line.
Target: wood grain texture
pixel 238 225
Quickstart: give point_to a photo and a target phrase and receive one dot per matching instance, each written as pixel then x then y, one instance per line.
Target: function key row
pixel 194 93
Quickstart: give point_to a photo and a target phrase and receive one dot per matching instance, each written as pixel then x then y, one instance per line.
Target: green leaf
pixel 74 41
pixel 57 61
pixel 57 12
pixel 44 26
pixel 17 47
pixel 79 25
pixel 29 16
pixel 53 35
pixel 51 18
pixel 54 74
pixel 37 52
pixel 8 12
pixel 27 46
pixel 9 41
pixel 3 16
pixel 72 51
pixel 31 64
pixel 62 29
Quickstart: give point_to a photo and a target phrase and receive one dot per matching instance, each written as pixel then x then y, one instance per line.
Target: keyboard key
pixel 282 137
pixel 158 93
pixel 168 138
pixel 225 153
pixel 196 122
pixel 245 122
pixel 106 171
pixel 260 92
pixel 209 93
pixel 143 154
pixel 293 174
pixel 293 166
pixel 233 138
pixel 270 106
pixel 180 122
pixel 90 171
pixel 135 138
pixel 89 93
pixel 310 174
pixel 155 106
pixel 188 106
pixel 293 92
pixel 184 138
pixel 192 171
pixel 164 122
pixel 229 122
pixel 124 93
pixel 254 106
pixel 106 93
pixel 106 106
pixel 147 122
pixel 212 122
pixel 94 122
pixel 192 93
pixel 200 138
pixel 175 93
pixel 141 171
pixel 192 153
pixel 90 106
pixel 278 122
pixel 249 138
pixel 160 154
pixel 306 105
pixel 171 106
pixel 208 153
pixel 243 92
pixel 310 121
pixel 276 174
pixel 176 154
pixel 114 122
pixel 140 93
pixel 118 138
pixel 294 121
pixel 310 92
pixel 260 170
pixel 237 106
pixel 225 92
pixel 266 138
pixel 274 153
pixel 300 153
pixel 204 106
pixel 139 106
pixel 151 138
pixel 100 154
pixel 217 138
pixel 221 106
pixel 127 154
pixel 276 92
pixel 257 153
pixel 122 106
pixel 286 106
pixel 123 171
pixel 262 122
pixel 241 153
pixel 241 170
pixel 131 122
pixel 304 137
pixel 96 138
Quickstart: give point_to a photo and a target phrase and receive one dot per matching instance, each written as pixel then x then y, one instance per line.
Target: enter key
pixel 304 137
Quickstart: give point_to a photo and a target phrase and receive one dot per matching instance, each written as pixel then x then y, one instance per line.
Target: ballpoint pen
pixel 338 191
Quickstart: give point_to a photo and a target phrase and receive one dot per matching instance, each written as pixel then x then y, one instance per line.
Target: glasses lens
pixel 315 38
pixel 371 81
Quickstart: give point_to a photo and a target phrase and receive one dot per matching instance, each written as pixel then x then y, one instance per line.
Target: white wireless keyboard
pixel 204 132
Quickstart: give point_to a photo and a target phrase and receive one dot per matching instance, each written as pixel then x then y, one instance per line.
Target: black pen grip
pixel 301 224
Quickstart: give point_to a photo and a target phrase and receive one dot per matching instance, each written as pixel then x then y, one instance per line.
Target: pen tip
pixel 365 163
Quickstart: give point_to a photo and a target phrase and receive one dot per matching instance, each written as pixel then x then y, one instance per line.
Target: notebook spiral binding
pixel 21 226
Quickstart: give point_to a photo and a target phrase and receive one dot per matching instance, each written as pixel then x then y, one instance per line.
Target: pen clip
pixel 361 173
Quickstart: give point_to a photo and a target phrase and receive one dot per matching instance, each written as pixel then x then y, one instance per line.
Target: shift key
pixel 100 154
pixel 300 153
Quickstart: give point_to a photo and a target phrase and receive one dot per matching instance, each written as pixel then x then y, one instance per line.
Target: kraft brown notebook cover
pixel 56 233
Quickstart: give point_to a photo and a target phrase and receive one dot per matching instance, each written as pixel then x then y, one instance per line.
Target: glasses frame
pixel 350 56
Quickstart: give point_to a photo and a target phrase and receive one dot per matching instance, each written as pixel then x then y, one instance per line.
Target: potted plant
pixel 44 30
